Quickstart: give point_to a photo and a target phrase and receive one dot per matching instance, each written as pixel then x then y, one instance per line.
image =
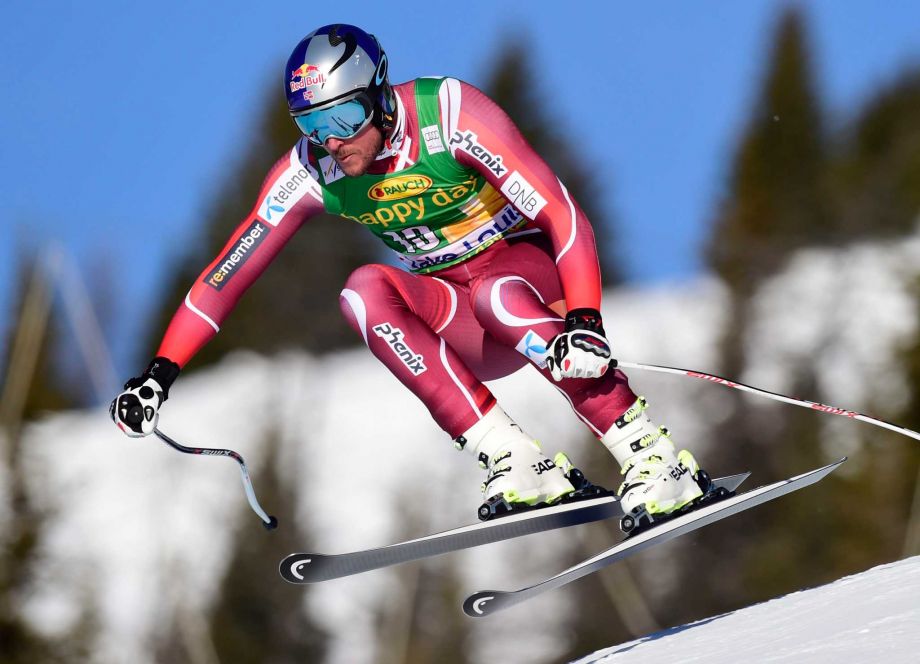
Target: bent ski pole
pixel 772 395
pixel 269 522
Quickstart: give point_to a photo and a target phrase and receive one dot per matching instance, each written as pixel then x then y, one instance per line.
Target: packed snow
pixel 869 617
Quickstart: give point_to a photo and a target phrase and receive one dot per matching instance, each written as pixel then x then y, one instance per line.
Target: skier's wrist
pixel 584 318
pixel 164 371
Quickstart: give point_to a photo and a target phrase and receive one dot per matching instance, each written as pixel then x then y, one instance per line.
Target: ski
pixel 303 568
pixel 314 567
pixel 487 602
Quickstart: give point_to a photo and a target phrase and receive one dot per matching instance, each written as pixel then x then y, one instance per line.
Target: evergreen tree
pixel 422 622
pixel 258 619
pixel 438 631
pixel 780 201
pixel 34 386
pixel 611 606
pixel 777 199
pixel 877 171
pixel 18 558
pixel 36 390
pixel 905 453
pixel 512 84
pixel 295 302
pixel 777 203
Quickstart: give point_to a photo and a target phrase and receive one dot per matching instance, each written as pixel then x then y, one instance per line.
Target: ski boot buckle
pixel 494 507
pixel 638 517
pixel 584 488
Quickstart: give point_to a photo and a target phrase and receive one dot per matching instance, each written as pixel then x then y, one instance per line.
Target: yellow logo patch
pixel 401 186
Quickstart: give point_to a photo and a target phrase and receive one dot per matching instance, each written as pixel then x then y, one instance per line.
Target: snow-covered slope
pixel 873 617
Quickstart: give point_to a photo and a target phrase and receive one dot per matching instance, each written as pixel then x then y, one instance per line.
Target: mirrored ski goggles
pixel 341 121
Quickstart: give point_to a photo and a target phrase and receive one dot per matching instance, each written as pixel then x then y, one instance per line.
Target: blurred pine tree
pixel 904 496
pixel 32 385
pixel 790 190
pixel 258 618
pixel 426 624
pixel 777 200
pixel 421 621
pixel 876 174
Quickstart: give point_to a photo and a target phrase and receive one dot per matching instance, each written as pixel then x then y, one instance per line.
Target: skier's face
pixel 355 155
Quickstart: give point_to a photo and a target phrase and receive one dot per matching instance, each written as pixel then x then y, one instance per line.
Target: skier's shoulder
pixel 442 86
pixel 302 156
pixel 293 178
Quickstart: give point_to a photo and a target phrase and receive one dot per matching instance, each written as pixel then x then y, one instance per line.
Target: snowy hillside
pixel 345 411
pixel 866 618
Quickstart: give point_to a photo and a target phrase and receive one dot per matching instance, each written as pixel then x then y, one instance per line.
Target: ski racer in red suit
pixel 500 270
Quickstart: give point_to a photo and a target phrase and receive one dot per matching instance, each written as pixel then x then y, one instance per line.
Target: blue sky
pixel 120 120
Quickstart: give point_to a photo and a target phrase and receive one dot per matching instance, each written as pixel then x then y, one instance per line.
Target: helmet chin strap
pixel 389 127
pixel 384 122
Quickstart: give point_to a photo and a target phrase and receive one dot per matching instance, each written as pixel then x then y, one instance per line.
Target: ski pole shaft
pixel 772 395
pixel 269 522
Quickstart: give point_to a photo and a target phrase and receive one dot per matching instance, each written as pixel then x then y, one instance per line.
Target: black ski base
pixel 497 507
pixel 639 520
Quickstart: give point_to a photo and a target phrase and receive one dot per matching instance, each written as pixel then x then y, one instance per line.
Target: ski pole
pixel 269 522
pixel 772 395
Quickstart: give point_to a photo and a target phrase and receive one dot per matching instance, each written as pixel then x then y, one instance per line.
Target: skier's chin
pixel 355 155
pixel 354 164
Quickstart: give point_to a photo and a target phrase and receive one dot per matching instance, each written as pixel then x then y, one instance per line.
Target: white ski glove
pixel 582 351
pixel 136 410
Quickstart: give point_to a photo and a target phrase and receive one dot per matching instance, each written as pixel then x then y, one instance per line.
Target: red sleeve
pixel 289 196
pixel 483 137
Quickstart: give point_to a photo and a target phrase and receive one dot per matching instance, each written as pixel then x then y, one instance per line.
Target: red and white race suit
pixel 443 333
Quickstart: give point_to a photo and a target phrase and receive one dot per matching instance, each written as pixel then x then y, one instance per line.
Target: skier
pixel 500 270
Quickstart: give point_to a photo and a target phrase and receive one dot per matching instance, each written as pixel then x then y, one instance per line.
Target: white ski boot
pixel 658 478
pixel 519 473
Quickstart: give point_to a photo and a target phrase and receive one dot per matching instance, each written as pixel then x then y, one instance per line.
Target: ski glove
pixel 582 351
pixel 136 410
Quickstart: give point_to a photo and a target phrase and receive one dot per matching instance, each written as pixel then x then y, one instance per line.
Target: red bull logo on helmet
pixel 306 75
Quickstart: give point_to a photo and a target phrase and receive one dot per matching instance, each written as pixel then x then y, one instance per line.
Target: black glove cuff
pixel 584 319
pixel 164 371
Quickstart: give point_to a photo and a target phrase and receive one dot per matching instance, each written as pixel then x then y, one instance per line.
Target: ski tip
pixel 484 603
pixel 297 567
pixel 834 465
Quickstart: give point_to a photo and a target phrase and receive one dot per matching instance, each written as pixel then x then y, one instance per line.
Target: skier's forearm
pixel 186 335
pixel 218 289
pixel 289 196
